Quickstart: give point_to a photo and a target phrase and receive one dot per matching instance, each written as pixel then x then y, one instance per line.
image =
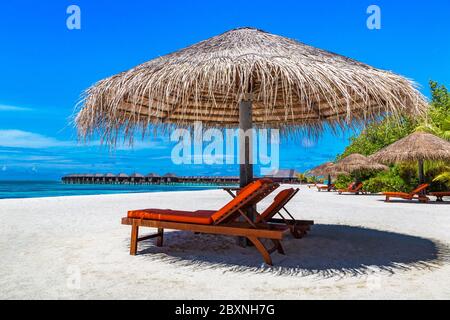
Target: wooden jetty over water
pixel 282 176
pixel 151 178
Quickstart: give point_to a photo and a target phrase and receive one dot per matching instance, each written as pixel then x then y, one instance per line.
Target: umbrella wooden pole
pixel 245 150
pixel 245 124
pixel 421 172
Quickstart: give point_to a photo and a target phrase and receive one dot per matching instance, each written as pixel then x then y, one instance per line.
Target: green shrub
pixel 313 179
pixel 343 181
pixel 385 181
pixel 301 178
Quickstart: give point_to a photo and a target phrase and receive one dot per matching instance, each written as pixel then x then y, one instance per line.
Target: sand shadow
pixel 329 250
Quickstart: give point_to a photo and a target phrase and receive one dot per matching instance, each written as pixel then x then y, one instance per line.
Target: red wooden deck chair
pixel 352 188
pixel 440 195
pixel 415 194
pixel 298 228
pixel 326 188
pixel 222 221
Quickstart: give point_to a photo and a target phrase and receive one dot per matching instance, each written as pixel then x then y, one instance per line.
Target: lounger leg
pixel 296 233
pixel 134 238
pixel 160 239
pixel 260 247
pixel 279 247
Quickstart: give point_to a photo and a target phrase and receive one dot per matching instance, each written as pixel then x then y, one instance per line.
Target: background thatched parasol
pixel 358 162
pixel 328 169
pixel 245 77
pixel 418 146
pixel 317 171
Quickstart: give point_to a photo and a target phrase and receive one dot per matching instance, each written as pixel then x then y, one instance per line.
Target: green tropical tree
pixel 437 120
pixel 404 176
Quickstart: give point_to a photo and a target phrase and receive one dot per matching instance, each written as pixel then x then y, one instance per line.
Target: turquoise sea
pixel 37 189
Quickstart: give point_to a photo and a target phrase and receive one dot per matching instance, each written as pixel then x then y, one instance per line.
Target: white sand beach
pixel 360 248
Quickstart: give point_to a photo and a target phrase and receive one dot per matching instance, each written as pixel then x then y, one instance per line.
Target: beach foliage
pixel 404 176
pixel 387 181
pixel 379 135
pixel 437 120
pixel 302 178
pixel 343 181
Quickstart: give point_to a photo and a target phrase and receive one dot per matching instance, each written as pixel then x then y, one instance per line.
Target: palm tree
pixel 441 129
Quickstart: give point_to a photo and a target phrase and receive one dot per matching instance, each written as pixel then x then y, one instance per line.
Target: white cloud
pixel 25 139
pixel 125 146
pixel 4 168
pixel 13 108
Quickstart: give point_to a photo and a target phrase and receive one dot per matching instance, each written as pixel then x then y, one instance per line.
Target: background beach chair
pixel 440 195
pixel 353 187
pixel 326 188
pixel 417 193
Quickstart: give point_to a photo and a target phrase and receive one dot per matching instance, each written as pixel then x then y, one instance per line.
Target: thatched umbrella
pixel 357 162
pixel 327 169
pixel 418 146
pixel 245 77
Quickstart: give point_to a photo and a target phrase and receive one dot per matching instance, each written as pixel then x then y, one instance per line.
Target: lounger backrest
pixel 245 197
pixel 278 203
pixel 419 189
pixel 357 187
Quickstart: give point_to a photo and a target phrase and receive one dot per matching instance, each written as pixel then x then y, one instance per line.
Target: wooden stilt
pixel 160 239
pixel 134 239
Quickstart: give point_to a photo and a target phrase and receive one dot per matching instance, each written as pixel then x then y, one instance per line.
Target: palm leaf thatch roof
pixel 415 147
pixel 292 85
pixel 153 175
pixel 328 168
pixel 358 162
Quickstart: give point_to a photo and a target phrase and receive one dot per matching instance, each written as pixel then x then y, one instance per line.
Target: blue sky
pixel 45 67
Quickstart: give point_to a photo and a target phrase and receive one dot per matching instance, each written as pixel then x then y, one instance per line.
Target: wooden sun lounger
pixel 299 228
pixel 222 221
pixel 415 194
pixel 352 188
pixel 326 188
pixel 440 195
